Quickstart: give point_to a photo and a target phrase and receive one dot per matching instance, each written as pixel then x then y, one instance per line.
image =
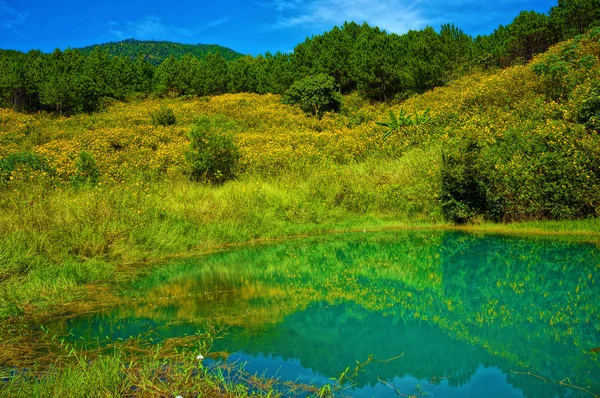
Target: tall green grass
pixel 113 375
pixel 56 240
pixel 138 367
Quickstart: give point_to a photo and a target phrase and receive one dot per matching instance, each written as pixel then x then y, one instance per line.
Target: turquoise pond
pixel 465 314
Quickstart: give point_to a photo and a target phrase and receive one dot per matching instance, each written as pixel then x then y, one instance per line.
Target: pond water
pixel 465 312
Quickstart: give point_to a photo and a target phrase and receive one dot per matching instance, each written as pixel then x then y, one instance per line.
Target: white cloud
pixel 152 27
pixel 11 17
pixel 217 22
pixel 392 15
pixel 149 27
pixel 397 16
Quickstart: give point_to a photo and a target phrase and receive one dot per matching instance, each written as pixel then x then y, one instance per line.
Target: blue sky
pixel 248 26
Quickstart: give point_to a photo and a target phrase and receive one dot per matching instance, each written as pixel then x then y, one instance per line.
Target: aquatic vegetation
pixel 132 368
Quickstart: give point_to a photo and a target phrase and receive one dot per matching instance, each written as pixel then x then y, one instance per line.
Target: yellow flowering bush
pixel 509 114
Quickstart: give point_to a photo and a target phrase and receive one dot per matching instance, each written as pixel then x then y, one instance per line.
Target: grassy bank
pixel 161 372
pixel 57 243
pixel 588 228
pixel 57 240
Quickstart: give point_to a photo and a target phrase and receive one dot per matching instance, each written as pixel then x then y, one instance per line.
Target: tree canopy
pixel 379 65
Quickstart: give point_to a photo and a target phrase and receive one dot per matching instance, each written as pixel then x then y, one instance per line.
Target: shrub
pixel 213 155
pixel 315 94
pixel 105 102
pixel 352 107
pixel 23 159
pixel 548 173
pixel 86 170
pixel 463 193
pixel 589 112
pixel 555 77
pixel 395 124
pixel 164 116
pixel 135 97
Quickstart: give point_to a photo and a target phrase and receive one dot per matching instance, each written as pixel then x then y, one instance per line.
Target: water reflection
pixel 464 310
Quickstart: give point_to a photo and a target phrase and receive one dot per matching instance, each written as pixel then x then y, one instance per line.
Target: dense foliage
pixel 589 112
pixel 518 144
pixel 23 160
pixel 86 170
pixel 157 51
pixel 164 116
pixel 315 94
pixel 213 155
pixel 544 167
pixel 381 66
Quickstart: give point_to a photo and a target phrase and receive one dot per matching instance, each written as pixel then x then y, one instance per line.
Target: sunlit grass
pixel 586 227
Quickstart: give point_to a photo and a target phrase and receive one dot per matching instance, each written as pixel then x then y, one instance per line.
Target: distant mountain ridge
pixel 158 51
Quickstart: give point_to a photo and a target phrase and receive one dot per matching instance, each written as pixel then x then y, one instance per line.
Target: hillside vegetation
pixel 157 51
pixel 379 65
pixel 83 196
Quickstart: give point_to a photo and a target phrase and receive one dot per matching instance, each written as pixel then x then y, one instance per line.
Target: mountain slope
pixel 157 51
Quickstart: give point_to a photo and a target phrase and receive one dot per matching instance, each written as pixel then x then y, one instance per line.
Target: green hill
pixel 157 51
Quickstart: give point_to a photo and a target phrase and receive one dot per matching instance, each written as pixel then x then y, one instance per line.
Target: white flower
pixel 199 357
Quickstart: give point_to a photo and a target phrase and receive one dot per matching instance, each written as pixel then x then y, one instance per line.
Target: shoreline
pixel 133 270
